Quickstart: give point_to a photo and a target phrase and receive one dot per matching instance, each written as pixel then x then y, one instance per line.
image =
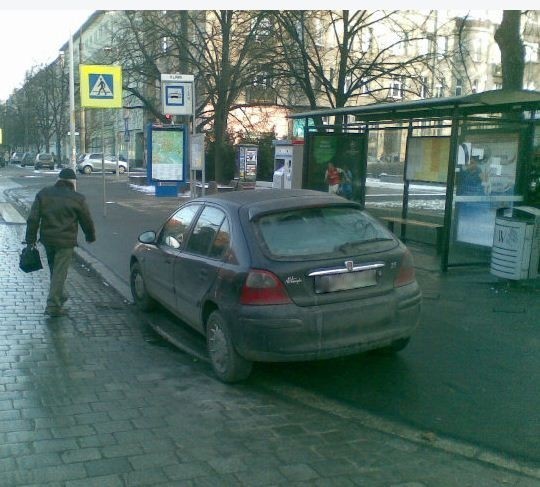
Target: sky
pixel 31 36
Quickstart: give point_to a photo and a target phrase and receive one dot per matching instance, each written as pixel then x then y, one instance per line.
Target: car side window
pixel 208 227
pixel 175 229
pixel 221 242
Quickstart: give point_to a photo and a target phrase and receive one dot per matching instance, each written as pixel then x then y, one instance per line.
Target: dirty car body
pixel 279 275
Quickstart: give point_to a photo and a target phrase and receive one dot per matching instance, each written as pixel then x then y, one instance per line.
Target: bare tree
pixel 508 38
pixel 218 47
pixel 332 57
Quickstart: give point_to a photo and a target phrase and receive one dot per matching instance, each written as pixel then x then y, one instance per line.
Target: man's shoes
pixel 56 313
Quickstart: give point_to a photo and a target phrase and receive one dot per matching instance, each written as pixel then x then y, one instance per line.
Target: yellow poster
pixel 427 159
pixel 101 86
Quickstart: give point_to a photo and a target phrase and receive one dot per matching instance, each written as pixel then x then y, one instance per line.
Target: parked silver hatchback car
pixel 89 163
pixel 279 275
pixel 44 159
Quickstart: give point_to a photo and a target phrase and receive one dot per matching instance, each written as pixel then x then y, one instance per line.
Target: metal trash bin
pixel 516 243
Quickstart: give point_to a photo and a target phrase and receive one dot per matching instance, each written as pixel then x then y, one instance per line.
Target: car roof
pixel 258 202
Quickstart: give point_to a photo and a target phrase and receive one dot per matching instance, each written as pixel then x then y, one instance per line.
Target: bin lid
pixel 519 213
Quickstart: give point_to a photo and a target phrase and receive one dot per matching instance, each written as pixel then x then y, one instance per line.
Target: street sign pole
pixel 103 162
pixel 178 98
pixel 73 156
pixel 101 87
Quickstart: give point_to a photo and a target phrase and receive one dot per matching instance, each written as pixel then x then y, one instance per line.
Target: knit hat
pixel 67 173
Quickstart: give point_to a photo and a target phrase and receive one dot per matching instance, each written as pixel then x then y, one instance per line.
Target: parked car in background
pixel 16 157
pixel 28 159
pixel 279 275
pixel 44 159
pixel 88 163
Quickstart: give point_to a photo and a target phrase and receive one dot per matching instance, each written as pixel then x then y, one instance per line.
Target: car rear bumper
pixel 291 333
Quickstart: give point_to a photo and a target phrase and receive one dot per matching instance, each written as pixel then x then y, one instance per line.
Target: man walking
pixel 57 212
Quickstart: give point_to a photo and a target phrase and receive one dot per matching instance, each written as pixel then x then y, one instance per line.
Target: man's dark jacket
pixel 57 211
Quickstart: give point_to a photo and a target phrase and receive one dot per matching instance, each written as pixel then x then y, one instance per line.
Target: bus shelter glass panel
pixel 485 180
pixel 385 167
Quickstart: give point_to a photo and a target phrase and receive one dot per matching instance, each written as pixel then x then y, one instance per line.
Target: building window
pixel 478 54
pixel 423 47
pixel 364 86
pixel 531 52
pixel 262 80
pixel 366 39
pixel 164 44
pixel 348 82
pixel 474 87
pixel 397 46
pixel 396 88
pixel 424 91
pixel 439 91
pixel 319 32
pixel 459 87
pixel 264 29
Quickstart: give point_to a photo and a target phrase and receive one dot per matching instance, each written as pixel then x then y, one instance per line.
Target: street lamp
pixel 72 104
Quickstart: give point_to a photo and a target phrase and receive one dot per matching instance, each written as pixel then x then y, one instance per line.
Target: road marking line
pixel 10 214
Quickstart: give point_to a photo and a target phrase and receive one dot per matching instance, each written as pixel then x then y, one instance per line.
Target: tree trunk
pixel 508 38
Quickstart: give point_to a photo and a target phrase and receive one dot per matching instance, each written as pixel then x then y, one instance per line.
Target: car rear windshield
pixel 322 231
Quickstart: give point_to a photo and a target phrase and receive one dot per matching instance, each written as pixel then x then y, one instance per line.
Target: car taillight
pixel 263 288
pixel 405 273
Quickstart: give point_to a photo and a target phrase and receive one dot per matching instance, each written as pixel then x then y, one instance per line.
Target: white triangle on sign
pixel 101 88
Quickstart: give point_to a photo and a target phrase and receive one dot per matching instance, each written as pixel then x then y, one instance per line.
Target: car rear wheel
pixel 228 365
pixel 121 169
pixel 138 289
pixel 87 169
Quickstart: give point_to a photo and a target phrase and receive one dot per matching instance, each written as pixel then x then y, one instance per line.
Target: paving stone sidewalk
pixel 96 399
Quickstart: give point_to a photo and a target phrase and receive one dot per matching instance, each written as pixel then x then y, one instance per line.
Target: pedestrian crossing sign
pixel 101 86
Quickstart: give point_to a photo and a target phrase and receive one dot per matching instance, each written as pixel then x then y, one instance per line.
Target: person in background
pixel 346 189
pixel 470 178
pixel 332 177
pixel 57 212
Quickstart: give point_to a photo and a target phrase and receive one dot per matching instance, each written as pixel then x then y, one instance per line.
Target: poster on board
pixel 344 151
pixel 487 164
pixel 427 159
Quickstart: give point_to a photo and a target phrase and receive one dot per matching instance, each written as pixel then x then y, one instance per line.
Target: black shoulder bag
pixel 30 260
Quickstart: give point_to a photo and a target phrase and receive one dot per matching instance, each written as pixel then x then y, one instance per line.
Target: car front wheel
pixel 228 365
pixel 138 289
pixel 87 169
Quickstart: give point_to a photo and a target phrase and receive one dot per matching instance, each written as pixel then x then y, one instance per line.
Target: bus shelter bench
pixel 392 220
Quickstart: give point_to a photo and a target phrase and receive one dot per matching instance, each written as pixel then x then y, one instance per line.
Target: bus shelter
pixel 455 161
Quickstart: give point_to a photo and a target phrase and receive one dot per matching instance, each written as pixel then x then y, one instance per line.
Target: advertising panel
pixel 344 151
pixel 427 159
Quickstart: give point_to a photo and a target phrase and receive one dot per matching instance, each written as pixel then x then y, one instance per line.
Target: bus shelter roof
pixel 496 101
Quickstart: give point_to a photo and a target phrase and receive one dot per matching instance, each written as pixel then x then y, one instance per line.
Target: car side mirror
pixel 148 237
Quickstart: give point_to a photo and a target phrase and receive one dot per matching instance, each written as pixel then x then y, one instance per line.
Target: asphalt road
pixel 470 372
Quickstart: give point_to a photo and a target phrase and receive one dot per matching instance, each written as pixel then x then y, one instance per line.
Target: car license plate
pixel 342 282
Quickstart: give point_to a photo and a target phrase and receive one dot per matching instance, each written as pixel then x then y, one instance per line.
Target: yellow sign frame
pixel 86 71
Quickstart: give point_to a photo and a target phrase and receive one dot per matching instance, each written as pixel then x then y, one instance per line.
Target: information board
pixel 166 153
